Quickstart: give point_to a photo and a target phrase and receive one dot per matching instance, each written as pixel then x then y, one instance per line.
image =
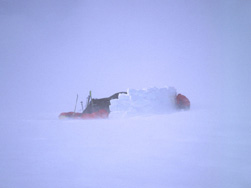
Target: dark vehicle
pixel 100 108
pixel 95 108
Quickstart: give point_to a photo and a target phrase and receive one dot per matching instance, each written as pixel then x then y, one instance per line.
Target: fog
pixel 52 50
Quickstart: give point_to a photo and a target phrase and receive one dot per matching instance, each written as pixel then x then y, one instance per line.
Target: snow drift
pixel 144 102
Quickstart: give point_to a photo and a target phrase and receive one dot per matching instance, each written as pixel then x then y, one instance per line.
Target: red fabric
pixel 95 115
pixel 182 102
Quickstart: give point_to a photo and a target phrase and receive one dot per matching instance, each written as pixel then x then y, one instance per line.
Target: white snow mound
pixel 144 102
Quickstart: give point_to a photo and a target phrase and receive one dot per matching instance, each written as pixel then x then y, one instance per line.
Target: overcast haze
pixel 52 50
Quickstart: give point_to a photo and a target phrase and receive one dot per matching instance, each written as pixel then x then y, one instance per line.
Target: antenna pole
pixel 76 104
pixel 82 105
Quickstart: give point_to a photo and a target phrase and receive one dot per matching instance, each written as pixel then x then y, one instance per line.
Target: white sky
pixel 52 50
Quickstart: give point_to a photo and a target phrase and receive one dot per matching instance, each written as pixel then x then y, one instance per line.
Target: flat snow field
pixel 187 149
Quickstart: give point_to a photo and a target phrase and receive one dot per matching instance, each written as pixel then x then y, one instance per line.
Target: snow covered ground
pixel 196 148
